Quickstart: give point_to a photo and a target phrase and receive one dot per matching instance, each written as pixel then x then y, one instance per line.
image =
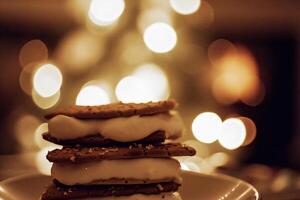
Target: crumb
pixel 72 158
pixel 160 187
pixel 150 146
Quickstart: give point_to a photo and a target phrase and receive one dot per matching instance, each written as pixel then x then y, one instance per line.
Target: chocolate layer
pixel 98 140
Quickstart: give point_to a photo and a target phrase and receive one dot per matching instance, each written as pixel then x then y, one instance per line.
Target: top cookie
pixel 114 110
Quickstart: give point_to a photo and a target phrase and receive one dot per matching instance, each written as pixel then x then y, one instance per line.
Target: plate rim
pixel 215 175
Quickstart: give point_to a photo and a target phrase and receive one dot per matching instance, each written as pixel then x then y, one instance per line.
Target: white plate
pixel 195 187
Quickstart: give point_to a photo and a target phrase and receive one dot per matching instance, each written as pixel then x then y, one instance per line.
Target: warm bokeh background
pixel 234 64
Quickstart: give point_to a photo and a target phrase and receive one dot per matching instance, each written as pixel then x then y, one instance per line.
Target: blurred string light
pixel 130 89
pixel 140 87
pixel 206 127
pixel 45 102
pixel 103 84
pixel 25 81
pixel 236 74
pixel 41 162
pixel 132 49
pixel 250 129
pixel 281 181
pixel 185 7
pixel 152 15
pixel 103 12
pixel 33 51
pixel 79 51
pixel 196 164
pixel 233 133
pixel 203 18
pixel 47 80
pixel 24 131
pixel 92 95
pixel 218 159
pixel 154 80
pixel 160 37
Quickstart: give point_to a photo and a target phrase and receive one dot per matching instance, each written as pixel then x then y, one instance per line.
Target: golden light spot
pixel 155 81
pixel 25 81
pixel 219 48
pixel 33 51
pixel 281 181
pixel 79 51
pixel 24 131
pixel 92 95
pixel 130 89
pixel 150 16
pixel 41 162
pixel 218 159
pixel 236 76
pixel 47 80
pixel 191 163
pixel 250 130
pixel 185 7
pixel 206 127
pixel 45 102
pixel 160 37
pixel 103 12
pixel 233 133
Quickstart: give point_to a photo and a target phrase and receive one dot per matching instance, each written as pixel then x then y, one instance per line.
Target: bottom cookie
pixel 61 192
pixel 162 196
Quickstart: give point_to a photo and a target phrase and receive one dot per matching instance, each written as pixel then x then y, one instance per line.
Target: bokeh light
pixel 190 163
pixel 250 130
pixel 219 48
pixel 206 127
pixel 25 81
pixel 45 102
pixel 103 12
pixel 39 141
pixel 160 37
pixel 33 51
pixel 79 51
pixel 131 89
pixel 92 95
pixel 41 162
pixel 24 131
pixel 236 74
pixel 218 159
pixel 233 133
pixel 47 80
pixel 185 7
pixel 158 89
pixel 150 16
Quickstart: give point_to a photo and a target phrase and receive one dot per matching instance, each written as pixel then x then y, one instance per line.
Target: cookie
pixel 98 140
pixel 57 191
pixel 114 110
pixel 80 154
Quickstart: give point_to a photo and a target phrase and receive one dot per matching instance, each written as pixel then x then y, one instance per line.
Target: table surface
pixel 19 164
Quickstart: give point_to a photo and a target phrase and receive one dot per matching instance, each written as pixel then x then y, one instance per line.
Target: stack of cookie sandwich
pixel 116 152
